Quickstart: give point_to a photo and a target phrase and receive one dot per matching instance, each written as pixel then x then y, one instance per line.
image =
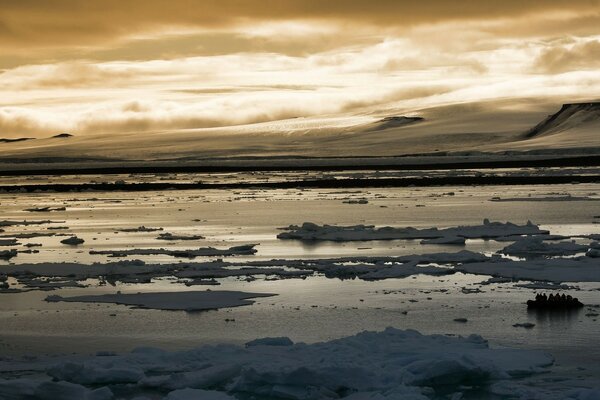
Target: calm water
pixel 306 310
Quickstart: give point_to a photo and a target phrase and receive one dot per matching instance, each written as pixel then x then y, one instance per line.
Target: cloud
pixel 74 22
pixel 15 122
pixel 583 55
pixel 62 75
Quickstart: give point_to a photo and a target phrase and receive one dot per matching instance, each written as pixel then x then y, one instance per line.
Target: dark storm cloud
pixel 76 22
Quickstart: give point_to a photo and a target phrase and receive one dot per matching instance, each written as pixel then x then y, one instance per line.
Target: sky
pixel 113 67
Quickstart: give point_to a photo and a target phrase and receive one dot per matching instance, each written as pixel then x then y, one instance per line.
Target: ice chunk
pixel 170 236
pixel 247 249
pixel 72 241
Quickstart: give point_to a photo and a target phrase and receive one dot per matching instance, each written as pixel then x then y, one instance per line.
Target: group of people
pixel 554 301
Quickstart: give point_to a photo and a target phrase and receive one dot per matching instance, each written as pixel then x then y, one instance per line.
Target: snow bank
pixel 186 301
pixel 392 364
pixel 311 231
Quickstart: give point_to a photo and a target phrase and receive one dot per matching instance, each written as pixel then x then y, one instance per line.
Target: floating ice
pixel 24 223
pixel 582 269
pixel 545 198
pixel 187 301
pixel 8 242
pixel 311 231
pixel 535 246
pixel 392 364
pixel 8 254
pixel 170 236
pixel 247 249
pixel 140 229
pixel 72 241
pixel 45 209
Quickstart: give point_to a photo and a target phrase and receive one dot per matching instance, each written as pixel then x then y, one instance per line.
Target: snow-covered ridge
pixel 569 116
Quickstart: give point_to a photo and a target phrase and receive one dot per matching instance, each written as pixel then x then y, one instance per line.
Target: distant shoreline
pixel 307 184
pixel 408 163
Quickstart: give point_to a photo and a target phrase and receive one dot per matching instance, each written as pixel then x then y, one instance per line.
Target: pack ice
pixel 392 364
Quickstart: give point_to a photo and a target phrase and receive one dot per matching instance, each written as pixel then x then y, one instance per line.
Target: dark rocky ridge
pixel 569 116
pixel 62 136
pixel 394 122
pixel 8 140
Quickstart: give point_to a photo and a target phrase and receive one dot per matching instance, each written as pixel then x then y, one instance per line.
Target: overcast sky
pixel 114 66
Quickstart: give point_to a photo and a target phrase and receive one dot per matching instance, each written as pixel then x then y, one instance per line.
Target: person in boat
pixel 554 301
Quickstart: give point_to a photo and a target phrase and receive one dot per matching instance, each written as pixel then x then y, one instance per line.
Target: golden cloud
pixel 76 22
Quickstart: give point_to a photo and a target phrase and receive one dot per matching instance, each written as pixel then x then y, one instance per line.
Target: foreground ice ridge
pixel 454 235
pixel 392 364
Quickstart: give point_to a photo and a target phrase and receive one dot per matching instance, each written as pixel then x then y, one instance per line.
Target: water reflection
pixel 554 317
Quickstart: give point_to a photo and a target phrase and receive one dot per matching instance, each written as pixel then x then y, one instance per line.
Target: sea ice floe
pixel 545 198
pixel 9 242
pixel 140 229
pixel 72 241
pixel 170 236
pixel 5 222
pixel 580 269
pixel 8 254
pixel 392 364
pixel 534 246
pixel 45 209
pixel 186 301
pixel 246 249
pixel 311 231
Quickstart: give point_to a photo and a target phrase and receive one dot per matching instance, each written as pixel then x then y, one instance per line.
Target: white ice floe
pixel 545 198
pixel 5 222
pixel 356 201
pixel 348 267
pixel 581 269
pixel 392 364
pixel 9 242
pixel 535 246
pixel 311 231
pixel 246 249
pixel 140 229
pixel 170 236
pixel 545 286
pixel 594 250
pixel 45 209
pixel 72 241
pixel 186 301
pixel 8 254
pixel 374 268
